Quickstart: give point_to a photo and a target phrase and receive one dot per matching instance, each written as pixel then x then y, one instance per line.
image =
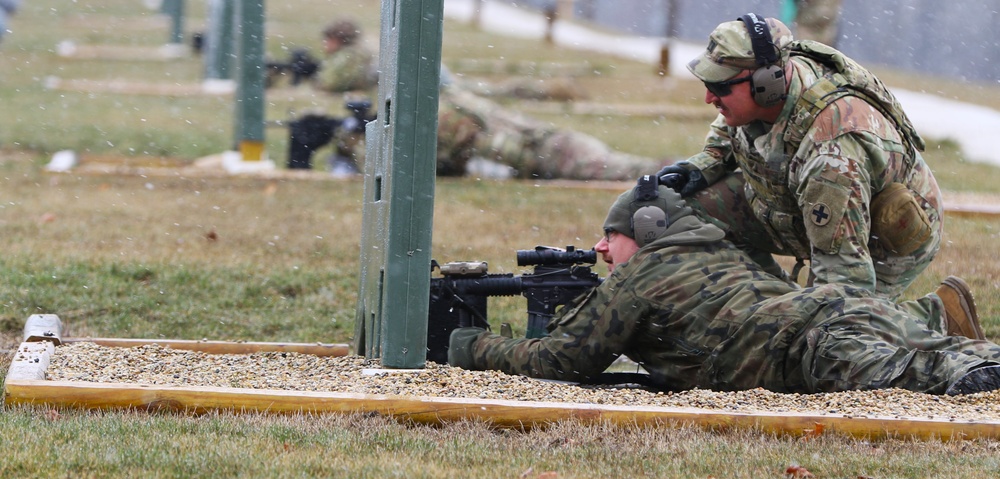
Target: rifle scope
pixel 547 255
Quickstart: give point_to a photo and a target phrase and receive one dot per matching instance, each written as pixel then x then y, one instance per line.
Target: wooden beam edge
pixel 499 413
pixel 222 347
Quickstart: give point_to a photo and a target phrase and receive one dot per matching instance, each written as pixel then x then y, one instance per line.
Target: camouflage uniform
pixel 472 126
pixel 695 312
pixel 724 205
pixel 814 176
pixel 348 69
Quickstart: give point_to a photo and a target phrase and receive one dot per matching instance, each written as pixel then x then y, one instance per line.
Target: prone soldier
pixel 470 126
pixel 694 312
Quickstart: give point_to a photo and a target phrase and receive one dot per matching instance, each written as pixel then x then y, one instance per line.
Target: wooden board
pixel 25 385
pixel 499 413
pixel 222 347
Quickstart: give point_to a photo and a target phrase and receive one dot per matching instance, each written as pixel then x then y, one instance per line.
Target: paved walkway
pixel 971 126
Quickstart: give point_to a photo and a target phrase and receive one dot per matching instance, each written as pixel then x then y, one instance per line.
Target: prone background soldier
pixel 472 126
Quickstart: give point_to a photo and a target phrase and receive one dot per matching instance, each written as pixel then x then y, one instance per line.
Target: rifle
pixel 301 65
pixel 311 132
pixel 459 297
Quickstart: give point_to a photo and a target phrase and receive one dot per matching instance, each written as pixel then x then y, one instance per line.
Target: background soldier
pixel 470 125
pixel 817 20
pixel 347 67
pixel 694 312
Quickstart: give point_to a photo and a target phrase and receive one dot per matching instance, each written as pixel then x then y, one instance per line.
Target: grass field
pixel 191 257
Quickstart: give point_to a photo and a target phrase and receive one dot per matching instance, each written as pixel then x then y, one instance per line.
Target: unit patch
pixel 820 214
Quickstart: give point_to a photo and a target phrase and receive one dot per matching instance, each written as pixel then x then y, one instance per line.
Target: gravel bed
pixel 157 365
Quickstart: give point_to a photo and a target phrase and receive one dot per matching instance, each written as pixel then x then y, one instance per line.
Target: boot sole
pixel 976 381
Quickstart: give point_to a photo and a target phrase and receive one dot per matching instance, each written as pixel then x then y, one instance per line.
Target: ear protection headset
pixel 768 81
pixel 649 222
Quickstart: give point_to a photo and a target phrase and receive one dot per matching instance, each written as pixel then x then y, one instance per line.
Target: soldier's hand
pixel 682 177
pixel 460 347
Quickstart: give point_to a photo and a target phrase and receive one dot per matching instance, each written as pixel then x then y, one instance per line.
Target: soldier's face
pixel 737 107
pixel 615 248
pixel 331 45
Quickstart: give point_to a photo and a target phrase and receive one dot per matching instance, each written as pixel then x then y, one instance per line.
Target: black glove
pixel 460 347
pixel 683 177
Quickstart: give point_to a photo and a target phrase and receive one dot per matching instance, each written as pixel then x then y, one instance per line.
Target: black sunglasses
pixel 723 88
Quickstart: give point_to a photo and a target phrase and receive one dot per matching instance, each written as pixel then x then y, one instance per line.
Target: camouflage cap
pixel 345 30
pixel 620 216
pixel 730 50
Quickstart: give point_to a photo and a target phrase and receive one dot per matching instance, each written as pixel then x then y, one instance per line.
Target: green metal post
pixel 219 40
pixel 174 9
pixel 400 169
pixel 250 82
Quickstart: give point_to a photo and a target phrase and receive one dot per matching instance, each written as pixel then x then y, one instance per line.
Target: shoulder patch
pixel 820 214
pixel 824 204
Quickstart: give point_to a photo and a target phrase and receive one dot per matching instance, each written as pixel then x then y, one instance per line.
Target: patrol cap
pixel 622 216
pixel 730 50
pixel 346 30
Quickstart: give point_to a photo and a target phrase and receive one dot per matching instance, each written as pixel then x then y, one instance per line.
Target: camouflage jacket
pixel 811 176
pixel 349 68
pixel 705 316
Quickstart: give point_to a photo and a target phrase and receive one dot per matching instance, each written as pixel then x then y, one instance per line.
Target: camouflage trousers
pixel 472 126
pixel 858 343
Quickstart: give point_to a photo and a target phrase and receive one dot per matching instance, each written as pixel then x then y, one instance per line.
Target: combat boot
pixel 960 308
pixel 986 378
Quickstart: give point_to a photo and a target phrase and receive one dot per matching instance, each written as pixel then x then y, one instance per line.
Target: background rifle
pixel 459 296
pixel 300 65
pixel 312 132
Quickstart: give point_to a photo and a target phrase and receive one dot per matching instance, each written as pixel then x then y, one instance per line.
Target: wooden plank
pixel 673 111
pixel 222 347
pixel 499 413
pixel 70 49
pixel 125 87
pixel 972 210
